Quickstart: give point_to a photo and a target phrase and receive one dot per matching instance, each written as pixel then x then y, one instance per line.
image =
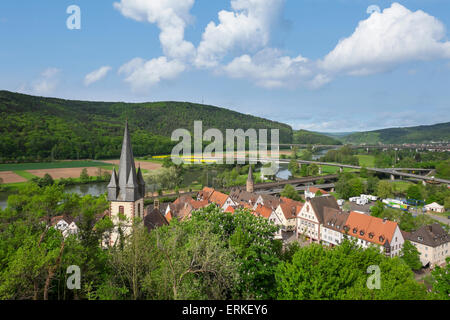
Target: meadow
pixel 51 165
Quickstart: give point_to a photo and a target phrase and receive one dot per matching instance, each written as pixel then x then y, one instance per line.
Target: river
pixel 94 189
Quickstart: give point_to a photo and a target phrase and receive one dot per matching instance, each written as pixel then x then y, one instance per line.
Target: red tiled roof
pixel 263 211
pixel 218 198
pixel 230 209
pixel 205 193
pixel 373 228
pixel 315 189
pixel 290 207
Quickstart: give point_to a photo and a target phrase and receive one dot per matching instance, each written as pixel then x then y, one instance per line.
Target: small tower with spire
pixel 250 182
pixel 126 190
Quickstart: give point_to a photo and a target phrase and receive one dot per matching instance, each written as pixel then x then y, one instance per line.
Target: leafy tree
pixel 34 256
pixel 377 210
pixel 306 155
pixel 193 263
pixel 414 192
pixel 384 189
pixel 441 283
pixel 84 176
pixel 290 192
pixel 447 203
pixel 255 250
pixel 341 273
pixel 364 173
pixel 411 256
pixel 294 167
pixel 372 183
pixel 313 170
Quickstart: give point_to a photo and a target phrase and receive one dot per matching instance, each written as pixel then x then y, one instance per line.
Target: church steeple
pixel 250 182
pixel 126 184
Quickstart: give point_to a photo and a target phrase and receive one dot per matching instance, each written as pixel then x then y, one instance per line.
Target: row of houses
pixel 320 220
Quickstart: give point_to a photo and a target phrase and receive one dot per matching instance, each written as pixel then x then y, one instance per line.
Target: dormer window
pixel 371 235
pixel 355 230
pixel 381 238
pixel 361 232
pixel 420 238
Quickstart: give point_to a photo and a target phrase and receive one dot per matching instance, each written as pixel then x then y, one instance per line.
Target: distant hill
pixel 34 128
pixel 309 137
pixel 421 134
pixel 336 134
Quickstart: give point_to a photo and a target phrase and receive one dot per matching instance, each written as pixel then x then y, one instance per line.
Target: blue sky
pixel 314 64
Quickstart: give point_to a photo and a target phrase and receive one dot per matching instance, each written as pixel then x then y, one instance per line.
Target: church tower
pixel 250 183
pixel 126 190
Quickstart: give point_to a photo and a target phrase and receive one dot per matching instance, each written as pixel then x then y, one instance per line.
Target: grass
pixel 50 165
pixel 25 174
pixel 401 186
pixel 366 161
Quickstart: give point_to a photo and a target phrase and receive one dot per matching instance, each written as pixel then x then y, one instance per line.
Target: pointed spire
pixel 127 169
pixel 113 181
pixel 140 178
pixel 113 188
pixel 250 173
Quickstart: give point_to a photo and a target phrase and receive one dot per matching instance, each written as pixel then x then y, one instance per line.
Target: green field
pixel 25 174
pixel 401 186
pixel 366 161
pixel 52 165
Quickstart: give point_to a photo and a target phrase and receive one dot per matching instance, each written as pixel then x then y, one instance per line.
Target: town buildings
pixel 434 207
pixel 432 242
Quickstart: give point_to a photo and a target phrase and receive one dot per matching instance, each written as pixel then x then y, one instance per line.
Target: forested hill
pixel 421 134
pixel 308 137
pixel 36 128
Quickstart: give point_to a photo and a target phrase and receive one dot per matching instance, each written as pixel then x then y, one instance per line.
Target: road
pixel 442 219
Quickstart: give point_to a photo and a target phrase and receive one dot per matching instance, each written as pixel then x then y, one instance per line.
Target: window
pixel 355 230
pixel 361 232
pixel 139 210
pixel 121 210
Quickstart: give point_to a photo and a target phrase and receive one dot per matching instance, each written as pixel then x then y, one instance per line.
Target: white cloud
pixel 143 74
pixel 247 27
pixel 171 17
pixel 269 69
pixel 387 39
pixel 96 75
pixel 46 83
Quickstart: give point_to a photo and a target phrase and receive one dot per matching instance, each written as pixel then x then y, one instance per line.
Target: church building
pixel 126 190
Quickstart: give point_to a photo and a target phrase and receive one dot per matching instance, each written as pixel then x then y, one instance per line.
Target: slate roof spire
pixel 250 173
pixel 126 182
